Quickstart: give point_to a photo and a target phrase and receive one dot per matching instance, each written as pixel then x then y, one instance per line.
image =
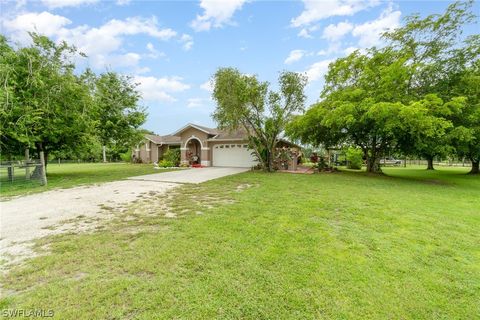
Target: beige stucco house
pixel 200 145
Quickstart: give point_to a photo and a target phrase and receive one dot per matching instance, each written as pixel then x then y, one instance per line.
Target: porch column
pixel 294 161
pixel 183 156
pixel 205 157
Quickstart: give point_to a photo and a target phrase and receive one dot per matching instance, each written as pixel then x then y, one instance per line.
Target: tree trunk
pixel 430 163
pixel 270 161
pixel 40 148
pixel 475 167
pixel 104 153
pixel 373 165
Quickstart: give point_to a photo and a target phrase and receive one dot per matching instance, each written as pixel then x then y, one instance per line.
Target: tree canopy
pixel 48 105
pixel 245 102
pixel 418 95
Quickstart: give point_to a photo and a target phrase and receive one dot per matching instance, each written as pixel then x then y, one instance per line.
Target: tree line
pixel 49 105
pixel 419 95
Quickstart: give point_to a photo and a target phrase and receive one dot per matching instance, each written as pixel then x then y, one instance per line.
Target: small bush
pixel 166 164
pixel 172 156
pixel 126 157
pixel 354 158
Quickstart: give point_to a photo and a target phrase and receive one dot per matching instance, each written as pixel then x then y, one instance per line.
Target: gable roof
pixel 167 139
pixel 207 130
pixel 238 134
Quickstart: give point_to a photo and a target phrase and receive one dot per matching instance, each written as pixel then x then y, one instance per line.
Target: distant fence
pixel 70 161
pixel 30 171
pixel 446 163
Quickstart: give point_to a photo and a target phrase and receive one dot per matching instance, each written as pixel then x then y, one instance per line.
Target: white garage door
pixel 232 155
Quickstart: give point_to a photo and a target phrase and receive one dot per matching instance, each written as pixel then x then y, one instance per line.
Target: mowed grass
pixel 274 246
pixel 71 175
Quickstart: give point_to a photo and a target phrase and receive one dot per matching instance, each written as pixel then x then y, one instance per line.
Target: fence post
pixel 27 159
pixel 42 168
pixel 11 173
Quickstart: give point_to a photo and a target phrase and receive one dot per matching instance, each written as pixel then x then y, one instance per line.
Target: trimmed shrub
pixel 172 156
pixel 354 158
pixel 166 164
pixel 126 157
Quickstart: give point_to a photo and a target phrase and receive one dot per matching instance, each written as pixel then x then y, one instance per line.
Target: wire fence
pixel 21 172
pixel 445 163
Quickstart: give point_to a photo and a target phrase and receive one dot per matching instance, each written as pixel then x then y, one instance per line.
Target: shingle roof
pixel 207 130
pixel 231 135
pixel 167 139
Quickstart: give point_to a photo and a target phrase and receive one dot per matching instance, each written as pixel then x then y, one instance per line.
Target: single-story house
pixel 201 145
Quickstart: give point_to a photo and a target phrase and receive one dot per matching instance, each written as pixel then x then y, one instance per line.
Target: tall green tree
pixel 245 102
pixel 118 112
pixel 49 105
pixel 466 133
pixel 435 56
pixel 428 47
pixel 361 100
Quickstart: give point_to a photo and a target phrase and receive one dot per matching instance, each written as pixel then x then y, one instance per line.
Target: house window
pixel 232 146
pixel 221 146
pixel 245 145
pixel 239 145
pixel 227 146
pixel 147 146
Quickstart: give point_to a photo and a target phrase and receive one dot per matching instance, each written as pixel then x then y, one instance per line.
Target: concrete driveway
pixel 194 175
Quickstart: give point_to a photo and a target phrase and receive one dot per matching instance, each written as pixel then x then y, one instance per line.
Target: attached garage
pixel 233 155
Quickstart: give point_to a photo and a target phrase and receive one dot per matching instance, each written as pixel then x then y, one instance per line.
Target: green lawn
pixel 273 246
pixel 71 175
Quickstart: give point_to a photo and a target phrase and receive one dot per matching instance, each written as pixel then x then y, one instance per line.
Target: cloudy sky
pixel 173 47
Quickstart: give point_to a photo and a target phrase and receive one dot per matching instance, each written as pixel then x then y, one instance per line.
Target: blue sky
pixel 173 47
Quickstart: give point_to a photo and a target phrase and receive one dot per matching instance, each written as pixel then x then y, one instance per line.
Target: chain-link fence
pixel 21 172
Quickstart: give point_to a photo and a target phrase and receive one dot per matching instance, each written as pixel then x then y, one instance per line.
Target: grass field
pixel 273 246
pixel 71 175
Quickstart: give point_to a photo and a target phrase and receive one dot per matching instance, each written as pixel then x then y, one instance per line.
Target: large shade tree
pixel 245 102
pixel 435 55
pixel 48 106
pixel 118 112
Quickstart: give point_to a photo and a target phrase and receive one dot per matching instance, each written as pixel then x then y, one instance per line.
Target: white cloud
pixel 306 32
pixel 45 23
pixel 160 89
pixel 369 32
pixel 102 44
pixel 318 10
pixel 123 2
pixel 215 14
pixel 195 102
pixel 317 70
pixel 350 50
pixel 335 32
pixel 295 55
pixel 187 41
pixel 207 85
pixel 53 4
pixel 154 53
pixel 123 60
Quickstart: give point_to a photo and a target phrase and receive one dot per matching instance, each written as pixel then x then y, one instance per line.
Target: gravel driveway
pixel 30 217
pixel 196 175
